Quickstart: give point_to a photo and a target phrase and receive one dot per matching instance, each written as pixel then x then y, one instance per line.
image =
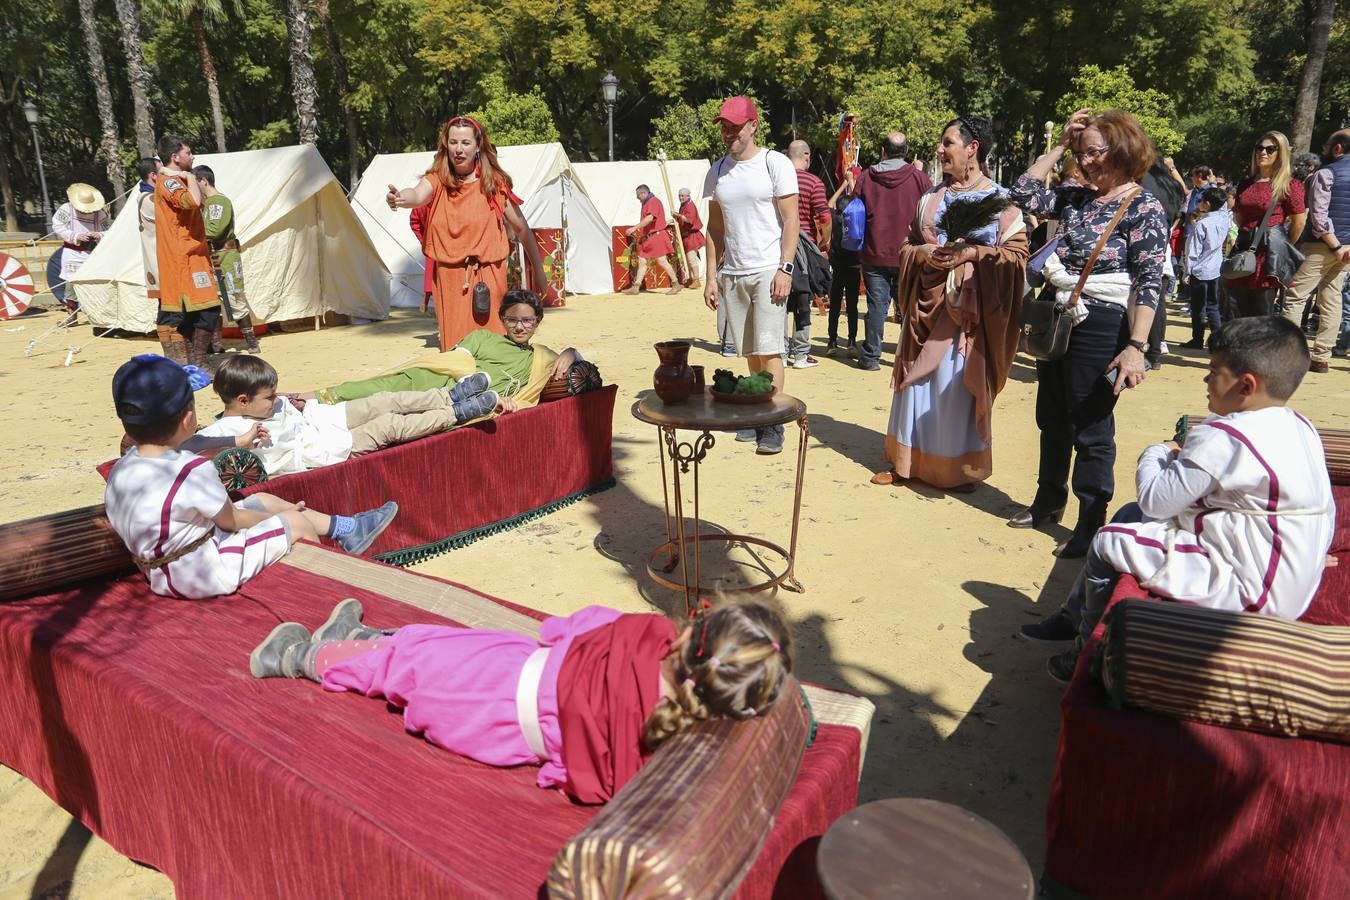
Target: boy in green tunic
pixel 218 213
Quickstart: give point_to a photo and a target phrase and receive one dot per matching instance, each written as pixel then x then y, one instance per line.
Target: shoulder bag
pixel 1045 319
pixel 1241 262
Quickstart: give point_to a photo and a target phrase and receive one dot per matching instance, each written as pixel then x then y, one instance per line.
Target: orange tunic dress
pixel 467 240
pixel 187 281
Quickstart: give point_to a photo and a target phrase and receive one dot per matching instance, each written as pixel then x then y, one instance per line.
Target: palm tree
pixel 103 99
pixel 1310 79
pixel 199 13
pixel 302 71
pixel 129 17
pixel 344 88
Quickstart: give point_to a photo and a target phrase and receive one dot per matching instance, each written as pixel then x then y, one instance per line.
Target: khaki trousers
pixel 396 417
pixel 1321 276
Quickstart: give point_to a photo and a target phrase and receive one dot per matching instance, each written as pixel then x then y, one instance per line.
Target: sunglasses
pixel 1267 148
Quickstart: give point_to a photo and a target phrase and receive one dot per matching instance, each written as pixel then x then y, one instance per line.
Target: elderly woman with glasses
pixel 1271 182
pixel 512 365
pixel 1076 394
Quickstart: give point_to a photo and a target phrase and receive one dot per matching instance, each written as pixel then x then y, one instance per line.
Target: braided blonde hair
pixel 733 666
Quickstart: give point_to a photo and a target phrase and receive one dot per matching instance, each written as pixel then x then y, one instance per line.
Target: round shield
pixel 16 287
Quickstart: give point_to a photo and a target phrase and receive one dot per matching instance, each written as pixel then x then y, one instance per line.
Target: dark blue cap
pixel 149 388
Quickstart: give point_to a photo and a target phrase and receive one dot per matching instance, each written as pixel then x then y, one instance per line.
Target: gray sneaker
pixel 344 624
pixel 748 434
pixel 282 653
pixel 470 385
pixel 729 349
pixel 770 440
pixel 475 407
pixel 869 365
pixel 369 525
pixel 1055 630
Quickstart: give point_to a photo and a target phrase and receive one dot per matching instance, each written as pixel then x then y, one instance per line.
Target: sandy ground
pixel 911 598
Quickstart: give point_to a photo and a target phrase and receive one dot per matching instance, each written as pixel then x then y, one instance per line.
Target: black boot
pixel 288 652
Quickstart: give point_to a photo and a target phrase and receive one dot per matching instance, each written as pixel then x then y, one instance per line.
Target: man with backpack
pixel 890 192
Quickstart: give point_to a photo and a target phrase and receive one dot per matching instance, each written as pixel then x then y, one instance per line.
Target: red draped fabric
pixel 138 715
pixel 1143 805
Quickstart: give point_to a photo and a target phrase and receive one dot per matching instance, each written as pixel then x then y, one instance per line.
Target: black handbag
pixel 1045 320
pixel 1241 260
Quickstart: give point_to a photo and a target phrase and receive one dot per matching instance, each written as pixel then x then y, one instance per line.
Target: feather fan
pixel 962 218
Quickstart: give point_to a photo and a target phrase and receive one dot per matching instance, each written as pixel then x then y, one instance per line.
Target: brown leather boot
pixel 245 325
pixel 173 345
pixel 199 350
pixel 217 342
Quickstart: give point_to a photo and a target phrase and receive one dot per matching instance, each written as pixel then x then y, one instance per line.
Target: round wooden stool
pixel 907 847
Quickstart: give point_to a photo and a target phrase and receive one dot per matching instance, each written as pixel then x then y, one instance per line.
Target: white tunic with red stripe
pixel 1255 540
pixel 160 505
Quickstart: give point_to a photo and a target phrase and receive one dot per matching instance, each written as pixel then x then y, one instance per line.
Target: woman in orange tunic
pixel 470 208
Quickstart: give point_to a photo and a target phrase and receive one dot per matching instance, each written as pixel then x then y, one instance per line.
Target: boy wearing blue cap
pixel 172 512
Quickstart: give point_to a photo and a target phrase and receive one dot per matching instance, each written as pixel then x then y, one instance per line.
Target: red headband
pixel 477 129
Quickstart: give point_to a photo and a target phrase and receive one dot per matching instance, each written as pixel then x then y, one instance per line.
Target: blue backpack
pixel 855 224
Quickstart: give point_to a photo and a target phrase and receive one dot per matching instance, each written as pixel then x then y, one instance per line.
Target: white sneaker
pixel 805 362
pixel 1162 347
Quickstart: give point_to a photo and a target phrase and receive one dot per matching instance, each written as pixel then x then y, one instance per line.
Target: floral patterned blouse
pixel 1138 245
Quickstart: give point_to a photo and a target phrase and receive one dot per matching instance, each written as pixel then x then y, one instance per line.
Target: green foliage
pixel 688 133
pixel 1097 89
pixel 907 101
pixel 512 118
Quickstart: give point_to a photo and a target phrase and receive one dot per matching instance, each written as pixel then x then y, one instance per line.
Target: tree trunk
pixel 7 189
pixel 129 18
pixel 108 143
pixel 209 73
pixel 344 88
pixel 1310 80
pixel 302 71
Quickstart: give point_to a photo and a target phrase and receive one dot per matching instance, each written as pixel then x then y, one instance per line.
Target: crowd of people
pixel 1236 515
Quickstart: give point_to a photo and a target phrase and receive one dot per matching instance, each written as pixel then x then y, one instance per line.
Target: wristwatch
pixel 787 268
pixel 1141 346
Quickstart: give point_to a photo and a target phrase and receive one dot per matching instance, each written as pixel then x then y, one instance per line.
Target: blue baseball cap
pixel 149 388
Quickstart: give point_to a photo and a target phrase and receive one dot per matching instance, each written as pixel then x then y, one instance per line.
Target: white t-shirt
pixel 297 440
pixel 746 192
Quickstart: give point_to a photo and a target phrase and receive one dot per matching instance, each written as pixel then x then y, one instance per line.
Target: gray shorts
pixel 754 323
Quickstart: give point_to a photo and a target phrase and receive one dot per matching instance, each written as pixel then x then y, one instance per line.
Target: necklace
pixel 980 182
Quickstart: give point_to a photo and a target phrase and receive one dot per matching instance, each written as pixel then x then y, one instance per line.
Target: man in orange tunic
pixel 470 207
pixel 189 302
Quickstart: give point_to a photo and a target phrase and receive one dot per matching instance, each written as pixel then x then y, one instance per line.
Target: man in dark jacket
pixel 890 190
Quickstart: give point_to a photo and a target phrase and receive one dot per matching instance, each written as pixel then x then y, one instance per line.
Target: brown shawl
pixel 977 307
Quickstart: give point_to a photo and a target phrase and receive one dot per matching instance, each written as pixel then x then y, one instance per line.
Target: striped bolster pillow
pixel 693 820
pixel 1238 670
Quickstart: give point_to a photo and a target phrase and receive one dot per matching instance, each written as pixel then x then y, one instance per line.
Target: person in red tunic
pixel 588 701
pixel 470 209
pixel 1269 185
pixel 691 235
pixel 653 239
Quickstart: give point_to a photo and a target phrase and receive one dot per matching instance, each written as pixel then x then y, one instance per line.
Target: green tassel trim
pixel 810 714
pixel 422 552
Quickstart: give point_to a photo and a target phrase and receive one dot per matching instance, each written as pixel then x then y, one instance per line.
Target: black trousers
pixel 187 322
pixel 844 293
pixel 1253 301
pixel 1075 410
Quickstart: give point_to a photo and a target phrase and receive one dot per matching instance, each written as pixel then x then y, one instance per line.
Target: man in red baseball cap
pixel 752 241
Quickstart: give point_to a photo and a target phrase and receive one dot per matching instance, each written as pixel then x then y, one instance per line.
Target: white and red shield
pixel 16 287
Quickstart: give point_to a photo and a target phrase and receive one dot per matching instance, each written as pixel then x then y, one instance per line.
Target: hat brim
pixel 92 205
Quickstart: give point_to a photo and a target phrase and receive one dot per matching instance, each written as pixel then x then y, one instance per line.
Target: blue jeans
pixel 881 287
pixel 1343 342
pixel 1096 580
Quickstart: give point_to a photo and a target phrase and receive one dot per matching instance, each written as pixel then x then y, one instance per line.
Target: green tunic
pixel 218 214
pixel 508 363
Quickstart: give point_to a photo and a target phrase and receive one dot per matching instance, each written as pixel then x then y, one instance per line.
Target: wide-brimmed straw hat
pixel 85 197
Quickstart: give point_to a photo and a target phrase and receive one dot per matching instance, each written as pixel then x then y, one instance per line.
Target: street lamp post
pixel 30 112
pixel 609 85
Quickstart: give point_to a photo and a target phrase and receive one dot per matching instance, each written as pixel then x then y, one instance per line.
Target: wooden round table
pixel 705 415
pixel 912 848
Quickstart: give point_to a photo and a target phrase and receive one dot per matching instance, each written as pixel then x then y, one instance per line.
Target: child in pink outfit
pixel 588 701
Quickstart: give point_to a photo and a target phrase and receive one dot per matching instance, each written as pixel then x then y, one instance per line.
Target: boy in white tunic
pixel 306 434
pixel 1239 518
pixel 172 512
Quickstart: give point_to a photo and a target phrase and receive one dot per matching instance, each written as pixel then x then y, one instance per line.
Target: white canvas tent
pixel 547 186
pixel 304 251
pixel 612 186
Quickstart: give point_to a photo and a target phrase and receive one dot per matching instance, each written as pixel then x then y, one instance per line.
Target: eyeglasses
pixel 528 322
pixel 1267 148
pixel 1092 153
